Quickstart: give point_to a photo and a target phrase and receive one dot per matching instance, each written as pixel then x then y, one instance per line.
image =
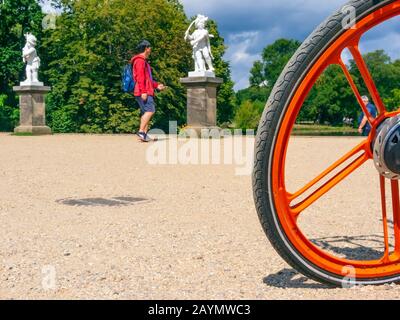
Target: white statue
pixel 32 60
pixel 200 41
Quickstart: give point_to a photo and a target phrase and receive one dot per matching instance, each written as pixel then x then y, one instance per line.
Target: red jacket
pixel 142 77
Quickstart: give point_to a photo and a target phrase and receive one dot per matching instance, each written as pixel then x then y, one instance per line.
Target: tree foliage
pixel 274 59
pixel 92 42
pixel 17 17
pixel 82 60
pixel 226 95
pixel 263 76
pixel 86 52
pixel 385 73
pixel 248 115
pixel 331 99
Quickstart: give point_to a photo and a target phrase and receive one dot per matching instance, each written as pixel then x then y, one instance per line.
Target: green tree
pixel 248 115
pixel 86 52
pixel 385 73
pixel 265 73
pixel 253 93
pixel 274 59
pixel 393 101
pixel 17 17
pixel 8 115
pixel 330 100
pixel 95 39
pixel 257 76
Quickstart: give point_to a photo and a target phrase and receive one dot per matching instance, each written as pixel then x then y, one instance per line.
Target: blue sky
pixel 248 26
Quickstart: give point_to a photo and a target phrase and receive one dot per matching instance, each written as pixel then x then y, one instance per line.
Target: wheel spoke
pixel 384 218
pixel 353 86
pixel 366 75
pixel 338 177
pixel 327 260
pixel 392 113
pixel 396 213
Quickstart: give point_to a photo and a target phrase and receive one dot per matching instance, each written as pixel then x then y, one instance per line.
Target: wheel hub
pixel 386 148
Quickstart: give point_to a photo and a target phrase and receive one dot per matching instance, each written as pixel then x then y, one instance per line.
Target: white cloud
pixel 240 56
pixel 249 7
pixel 389 42
pixel 240 44
pixel 46 7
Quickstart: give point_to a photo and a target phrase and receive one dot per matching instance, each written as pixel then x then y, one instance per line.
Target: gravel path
pixel 196 237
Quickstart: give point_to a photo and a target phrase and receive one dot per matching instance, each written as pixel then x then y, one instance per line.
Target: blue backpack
pixel 128 82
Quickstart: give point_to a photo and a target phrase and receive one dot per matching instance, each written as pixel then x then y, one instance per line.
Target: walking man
pixel 364 126
pixel 144 88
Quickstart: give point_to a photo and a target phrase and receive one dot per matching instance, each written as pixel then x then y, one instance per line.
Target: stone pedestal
pixel 201 102
pixel 32 109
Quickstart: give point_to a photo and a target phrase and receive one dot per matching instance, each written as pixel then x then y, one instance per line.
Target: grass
pixel 299 130
pixel 323 130
pixel 22 134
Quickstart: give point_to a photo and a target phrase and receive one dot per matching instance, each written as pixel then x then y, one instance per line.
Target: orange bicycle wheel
pixel 275 204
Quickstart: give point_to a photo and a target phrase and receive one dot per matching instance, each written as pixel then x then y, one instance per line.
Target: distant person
pixel 364 125
pixel 144 88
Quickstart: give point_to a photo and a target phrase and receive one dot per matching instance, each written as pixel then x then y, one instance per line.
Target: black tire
pixel 312 48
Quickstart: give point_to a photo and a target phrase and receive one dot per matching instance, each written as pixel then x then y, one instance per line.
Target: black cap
pixel 143 45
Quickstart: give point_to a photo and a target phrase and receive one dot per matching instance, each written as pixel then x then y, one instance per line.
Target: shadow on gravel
pixel 364 247
pixel 103 202
pixel 289 278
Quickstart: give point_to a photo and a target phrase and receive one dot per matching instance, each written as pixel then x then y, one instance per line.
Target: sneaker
pixel 143 137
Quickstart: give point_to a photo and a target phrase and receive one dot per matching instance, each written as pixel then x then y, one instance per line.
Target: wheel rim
pixel 389 264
